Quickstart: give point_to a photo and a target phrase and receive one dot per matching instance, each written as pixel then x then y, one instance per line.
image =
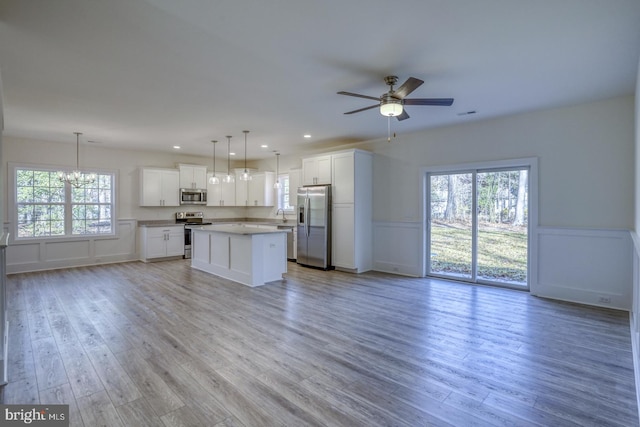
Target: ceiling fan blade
pixel 407 87
pixel 363 109
pixel 444 102
pixel 358 95
pixel 403 116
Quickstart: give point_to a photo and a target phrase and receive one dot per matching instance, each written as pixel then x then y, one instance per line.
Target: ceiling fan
pixel 391 103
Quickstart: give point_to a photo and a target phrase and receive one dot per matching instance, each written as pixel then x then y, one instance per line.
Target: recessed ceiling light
pixel 232 154
pixel 264 146
pixel 177 147
pixel 306 135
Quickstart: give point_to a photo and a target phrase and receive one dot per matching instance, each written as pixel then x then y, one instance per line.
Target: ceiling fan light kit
pixel 390 106
pixel 392 102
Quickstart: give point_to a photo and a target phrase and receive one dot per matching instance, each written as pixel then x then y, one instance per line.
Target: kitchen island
pixel 249 255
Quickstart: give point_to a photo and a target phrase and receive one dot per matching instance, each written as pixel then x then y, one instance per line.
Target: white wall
pixel 586 184
pixel 585 157
pixel 126 162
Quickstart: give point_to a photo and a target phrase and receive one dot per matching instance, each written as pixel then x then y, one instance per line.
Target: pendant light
pixel 229 178
pixel 277 185
pixel 245 174
pixel 77 178
pixel 214 179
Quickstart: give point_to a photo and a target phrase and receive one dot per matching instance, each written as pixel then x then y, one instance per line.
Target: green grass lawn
pixel 502 251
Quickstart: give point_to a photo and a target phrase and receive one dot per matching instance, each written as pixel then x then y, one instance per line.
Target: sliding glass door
pixel 450 214
pixel 478 226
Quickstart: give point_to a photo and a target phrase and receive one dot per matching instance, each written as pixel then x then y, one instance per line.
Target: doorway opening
pixel 478 225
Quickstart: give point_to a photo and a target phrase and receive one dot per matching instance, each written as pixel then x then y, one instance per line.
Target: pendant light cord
pixel 214 158
pixel 78 150
pixel 245 150
pixel 228 155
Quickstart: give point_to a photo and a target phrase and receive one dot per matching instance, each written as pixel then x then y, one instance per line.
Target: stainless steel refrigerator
pixel 314 226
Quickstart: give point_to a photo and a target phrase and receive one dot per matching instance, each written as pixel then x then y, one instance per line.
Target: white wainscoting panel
pixel 67 251
pixel 397 248
pixel 112 250
pixel 46 255
pixel 634 318
pixel 586 266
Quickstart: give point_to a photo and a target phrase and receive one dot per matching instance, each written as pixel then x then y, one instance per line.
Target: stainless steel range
pixel 189 219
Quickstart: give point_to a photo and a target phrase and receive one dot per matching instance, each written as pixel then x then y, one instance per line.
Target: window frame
pixel 280 193
pixel 68 205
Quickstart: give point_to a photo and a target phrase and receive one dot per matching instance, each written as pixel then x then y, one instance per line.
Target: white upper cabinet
pixel 242 189
pixel 260 189
pixel 343 177
pixel 193 176
pixel 256 192
pixel 159 187
pixel 222 194
pixel 316 170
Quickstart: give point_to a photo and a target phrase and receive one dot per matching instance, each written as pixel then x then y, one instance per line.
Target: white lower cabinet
pixel 161 242
pixel 343 236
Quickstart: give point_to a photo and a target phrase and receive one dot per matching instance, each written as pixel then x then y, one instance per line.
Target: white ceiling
pixel 150 74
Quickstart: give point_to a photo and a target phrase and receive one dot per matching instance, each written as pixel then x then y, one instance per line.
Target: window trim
pixel 13 197
pixel 530 162
pixel 292 207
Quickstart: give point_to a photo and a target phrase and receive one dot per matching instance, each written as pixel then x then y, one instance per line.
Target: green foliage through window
pixel 47 207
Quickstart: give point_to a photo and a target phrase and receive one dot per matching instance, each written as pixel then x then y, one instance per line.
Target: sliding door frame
pixel 530 163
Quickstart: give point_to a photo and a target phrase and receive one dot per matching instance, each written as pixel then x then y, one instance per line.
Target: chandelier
pixel 77 178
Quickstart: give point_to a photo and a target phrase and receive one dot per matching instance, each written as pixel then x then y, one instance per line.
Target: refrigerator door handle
pixel 307 213
pixel 301 216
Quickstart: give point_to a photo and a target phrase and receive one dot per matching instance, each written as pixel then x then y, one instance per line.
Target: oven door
pixel 187 242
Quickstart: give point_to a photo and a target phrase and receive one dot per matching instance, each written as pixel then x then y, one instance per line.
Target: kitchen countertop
pixel 221 221
pixel 236 229
pixel 160 223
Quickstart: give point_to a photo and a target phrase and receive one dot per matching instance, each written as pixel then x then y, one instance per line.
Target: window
pixel 46 207
pixel 285 198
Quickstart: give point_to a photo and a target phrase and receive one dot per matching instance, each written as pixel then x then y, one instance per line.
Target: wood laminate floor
pixel 163 345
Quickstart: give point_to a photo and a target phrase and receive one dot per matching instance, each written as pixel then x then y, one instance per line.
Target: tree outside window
pixel 46 207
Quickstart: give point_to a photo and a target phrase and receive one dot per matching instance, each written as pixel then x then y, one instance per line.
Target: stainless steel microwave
pixel 193 196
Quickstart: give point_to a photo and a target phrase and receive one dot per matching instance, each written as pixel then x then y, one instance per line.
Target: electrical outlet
pixel 605 300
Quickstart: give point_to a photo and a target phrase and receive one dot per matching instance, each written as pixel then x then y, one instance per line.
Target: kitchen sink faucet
pixel 284 219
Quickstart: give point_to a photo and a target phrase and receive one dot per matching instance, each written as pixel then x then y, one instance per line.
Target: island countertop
pixel 242 229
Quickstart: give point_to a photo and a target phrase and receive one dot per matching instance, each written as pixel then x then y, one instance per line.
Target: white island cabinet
pixel 249 255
